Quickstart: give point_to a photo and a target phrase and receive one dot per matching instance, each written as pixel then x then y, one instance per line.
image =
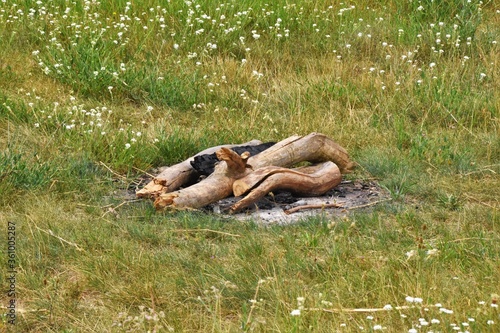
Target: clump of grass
pixel 16 171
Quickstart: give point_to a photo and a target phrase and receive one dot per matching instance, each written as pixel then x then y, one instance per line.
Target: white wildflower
pixel 432 252
pixel 423 322
pixel 445 310
pixel 410 299
pixel 411 253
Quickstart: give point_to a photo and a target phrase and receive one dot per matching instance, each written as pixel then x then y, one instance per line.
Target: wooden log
pixel 172 178
pixel 312 181
pixel 246 184
pixel 314 147
pixel 215 187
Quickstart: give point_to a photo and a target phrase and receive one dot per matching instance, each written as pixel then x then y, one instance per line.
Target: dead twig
pixel 113 209
pixel 333 205
pixel 478 171
pixel 144 172
pixel 469 238
pixel 369 204
pixel 113 172
pixel 319 206
pixel 459 123
pixel 205 230
pixel 51 233
pixel 252 307
pixel 93 206
pixel 479 201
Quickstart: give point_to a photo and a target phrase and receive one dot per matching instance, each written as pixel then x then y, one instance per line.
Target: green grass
pixel 93 94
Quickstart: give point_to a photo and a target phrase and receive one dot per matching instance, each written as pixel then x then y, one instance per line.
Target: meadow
pixel 94 94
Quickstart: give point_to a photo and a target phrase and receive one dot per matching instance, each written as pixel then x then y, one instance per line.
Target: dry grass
pixel 422 122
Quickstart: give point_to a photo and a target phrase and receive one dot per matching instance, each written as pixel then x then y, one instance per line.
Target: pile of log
pixel 251 177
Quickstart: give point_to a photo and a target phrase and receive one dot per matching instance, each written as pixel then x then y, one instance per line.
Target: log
pixel 172 178
pixel 246 184
pixel 314 147
pixel 215 187
pixel 312 181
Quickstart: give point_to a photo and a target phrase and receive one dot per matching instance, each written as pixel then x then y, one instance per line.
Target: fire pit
pixel 254 180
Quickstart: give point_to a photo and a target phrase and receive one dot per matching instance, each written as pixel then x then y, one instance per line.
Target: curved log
pixel 249 182
pixel 315 148
pixel 312 181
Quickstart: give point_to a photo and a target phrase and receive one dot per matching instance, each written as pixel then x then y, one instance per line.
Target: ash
pixel 271 209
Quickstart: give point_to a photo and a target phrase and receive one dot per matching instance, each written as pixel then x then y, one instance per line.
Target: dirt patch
pixel 347 196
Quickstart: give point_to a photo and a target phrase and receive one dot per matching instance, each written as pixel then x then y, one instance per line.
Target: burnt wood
pixel 205 164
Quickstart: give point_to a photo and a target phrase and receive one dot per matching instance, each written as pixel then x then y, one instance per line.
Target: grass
pixel 93 92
